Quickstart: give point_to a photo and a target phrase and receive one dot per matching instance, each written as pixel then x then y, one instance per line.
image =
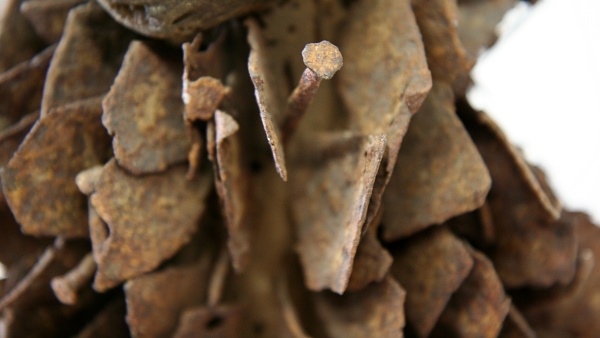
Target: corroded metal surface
pixel 178 20
pixel 56 149
pixel 385 78
pixel 148 135
pixel 153 214
pixel 431 267
pixel 440 172
pixel 331 191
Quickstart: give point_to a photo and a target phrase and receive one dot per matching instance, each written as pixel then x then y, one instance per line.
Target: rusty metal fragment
pixel 48 17
pixel 479 306
pixel 372 260
pixel 149 219
pixel 21 87
pixel 477 21
pixel 231 180
pixel 385 76
pixel 431 266
pixel 522 214
pixel 223 321
pixel 332 184
pixel 202 97
pixel 571 310
pixel 67 286
pixel 177 20
pixel 203 71
pixel 149 134
pixel 17 38
pixel 376 311
pixel 202 91
pixel 446 57
pixel 268 94
pixel 440 173
pixel 39 180
pixel 86 59
pixel 156 300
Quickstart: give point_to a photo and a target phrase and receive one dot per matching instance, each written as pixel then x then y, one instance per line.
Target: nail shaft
pixel 66 287
pixel 322 60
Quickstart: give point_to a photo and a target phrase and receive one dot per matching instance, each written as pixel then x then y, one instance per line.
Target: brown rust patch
pixel 56 149
pixel 431 266
pixel 440 173
pixel 332 184
pixel 385 76
pixel 152 214
pixel 143 110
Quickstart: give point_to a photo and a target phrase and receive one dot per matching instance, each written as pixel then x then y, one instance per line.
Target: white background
pixel 541 83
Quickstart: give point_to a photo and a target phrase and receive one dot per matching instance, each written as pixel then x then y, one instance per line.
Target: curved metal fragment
pixel 149 218
pixel 39 181
pixel 440 173
pixel 143 110
pixel 331 187
pixel 372 261
pixel 178 20
pixel 266 85
pixel 385 76
pixel 231 180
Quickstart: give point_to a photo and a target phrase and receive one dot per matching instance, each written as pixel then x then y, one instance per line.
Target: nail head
pixel 323 58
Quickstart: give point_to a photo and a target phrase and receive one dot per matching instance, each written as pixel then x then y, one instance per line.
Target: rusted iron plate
pixel 56 149
pixel 148 134
pixel 151 214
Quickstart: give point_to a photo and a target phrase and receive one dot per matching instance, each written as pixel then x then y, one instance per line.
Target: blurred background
pixel 541 83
